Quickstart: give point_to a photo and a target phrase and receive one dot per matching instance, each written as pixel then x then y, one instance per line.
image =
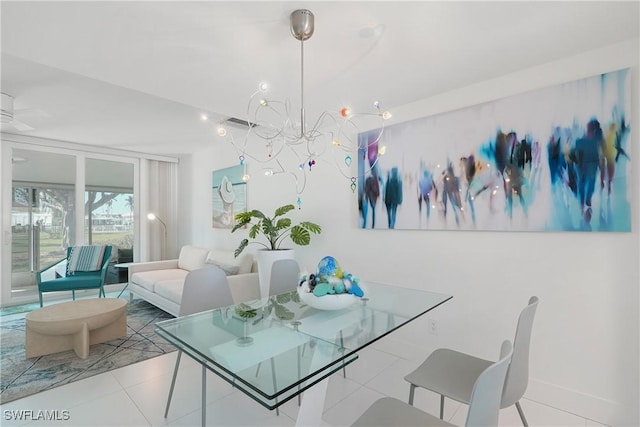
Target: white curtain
pixel 158 195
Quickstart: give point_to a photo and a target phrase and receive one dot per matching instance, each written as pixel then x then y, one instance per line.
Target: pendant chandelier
pixel 286 143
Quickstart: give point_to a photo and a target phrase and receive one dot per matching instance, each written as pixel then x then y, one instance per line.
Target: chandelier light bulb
pixel 222 131
pixel 264 102
pixel 345 112
pixel 336 143
pixel 246 177
pixel 263 87
pixel 204 117
pixel 268 172
pixel 382 150
pixel 386 115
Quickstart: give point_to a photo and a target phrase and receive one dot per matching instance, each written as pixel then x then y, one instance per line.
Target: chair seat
pixel 389 411
pixel 435 374
pixel 71 282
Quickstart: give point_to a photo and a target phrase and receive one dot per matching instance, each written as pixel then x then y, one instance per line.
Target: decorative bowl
pixel 326 302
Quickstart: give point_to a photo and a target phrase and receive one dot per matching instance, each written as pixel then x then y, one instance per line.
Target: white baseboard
pixel 584 405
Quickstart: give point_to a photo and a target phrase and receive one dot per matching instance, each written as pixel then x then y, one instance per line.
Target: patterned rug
pixel 20 377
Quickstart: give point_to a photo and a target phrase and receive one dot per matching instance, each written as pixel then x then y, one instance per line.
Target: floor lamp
pixel 152 217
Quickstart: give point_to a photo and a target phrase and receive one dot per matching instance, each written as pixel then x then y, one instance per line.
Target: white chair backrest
pixel 205 289
pixel 484 405
pixel 285 274
pixel 518 373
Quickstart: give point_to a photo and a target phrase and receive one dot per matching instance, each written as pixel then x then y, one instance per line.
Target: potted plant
pixel 275 230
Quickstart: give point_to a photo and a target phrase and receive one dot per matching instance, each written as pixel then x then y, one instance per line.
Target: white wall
pixel 585 350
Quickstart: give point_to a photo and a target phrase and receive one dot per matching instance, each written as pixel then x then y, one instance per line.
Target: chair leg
pixel 521 413
pixel 442 406
pixel 40 294
pixel 412 390
pixel 173 383
pixel 73 294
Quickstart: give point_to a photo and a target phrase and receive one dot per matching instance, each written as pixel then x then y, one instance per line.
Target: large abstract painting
pixel 554 159
pixel 229 195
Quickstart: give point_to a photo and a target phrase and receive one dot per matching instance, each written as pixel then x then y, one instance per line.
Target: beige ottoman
pixel 75 325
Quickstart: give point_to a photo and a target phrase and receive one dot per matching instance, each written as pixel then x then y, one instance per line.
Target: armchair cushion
pixel 74 282
pixel 85 258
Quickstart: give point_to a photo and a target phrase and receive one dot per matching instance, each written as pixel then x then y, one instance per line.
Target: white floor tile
pixel 115 409
pixel 338 389
pixel 68 396
pixel 591 423
pixel 391 381
pixel 136 396
pixel 369 364
pixel 151 396
pixel 140 372
pixel 536 414
pixel 350 408
pixel 235 410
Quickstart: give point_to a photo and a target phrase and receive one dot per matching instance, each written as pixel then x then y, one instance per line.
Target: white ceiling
pixel 137 75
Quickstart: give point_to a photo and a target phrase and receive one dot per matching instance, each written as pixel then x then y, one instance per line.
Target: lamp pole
pixel 152 217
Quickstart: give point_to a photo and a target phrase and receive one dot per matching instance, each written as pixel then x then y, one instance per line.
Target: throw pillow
pixel 219 257
pixel 229 270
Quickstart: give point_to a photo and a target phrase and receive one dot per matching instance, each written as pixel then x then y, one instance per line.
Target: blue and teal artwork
pixel 553 159
pixel 229 195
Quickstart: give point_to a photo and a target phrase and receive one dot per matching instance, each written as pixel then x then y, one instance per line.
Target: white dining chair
pixel 285 274
pixel 452 374
pixel 204 289
pixel 484 402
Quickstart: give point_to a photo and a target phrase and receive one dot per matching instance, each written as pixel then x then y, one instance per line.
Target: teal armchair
pixel 79 280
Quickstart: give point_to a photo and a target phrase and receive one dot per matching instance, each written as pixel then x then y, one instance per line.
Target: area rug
pixel 22 377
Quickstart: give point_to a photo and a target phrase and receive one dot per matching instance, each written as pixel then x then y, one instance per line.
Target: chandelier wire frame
pixel 272 131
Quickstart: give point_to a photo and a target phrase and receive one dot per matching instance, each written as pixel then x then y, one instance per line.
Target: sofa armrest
pixel 138 267
pixel 244 287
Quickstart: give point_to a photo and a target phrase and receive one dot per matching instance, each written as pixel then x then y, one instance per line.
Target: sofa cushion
pixel 226 261
pixel 148 279
pixel 170 289
pixel 192 257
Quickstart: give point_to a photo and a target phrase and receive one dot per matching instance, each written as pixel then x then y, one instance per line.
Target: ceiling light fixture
pixel 288 141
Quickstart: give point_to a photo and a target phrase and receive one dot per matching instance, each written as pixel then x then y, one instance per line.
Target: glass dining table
pixel 276 348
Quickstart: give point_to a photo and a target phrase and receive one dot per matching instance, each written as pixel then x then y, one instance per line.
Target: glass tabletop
pixel 275 348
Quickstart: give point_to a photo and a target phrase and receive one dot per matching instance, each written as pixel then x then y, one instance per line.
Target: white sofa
pixel 161 282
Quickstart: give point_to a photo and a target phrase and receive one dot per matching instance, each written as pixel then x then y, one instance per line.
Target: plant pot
pixel 265 261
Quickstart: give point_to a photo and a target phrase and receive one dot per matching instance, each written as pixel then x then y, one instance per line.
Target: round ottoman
pixel 75 325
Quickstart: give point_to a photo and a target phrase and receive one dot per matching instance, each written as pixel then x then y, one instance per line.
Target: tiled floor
pixel 135 396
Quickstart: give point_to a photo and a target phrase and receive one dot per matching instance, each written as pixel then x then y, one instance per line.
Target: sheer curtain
pixel 158 195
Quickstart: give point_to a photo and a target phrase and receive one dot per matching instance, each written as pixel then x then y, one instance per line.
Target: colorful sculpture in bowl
pixel 330 288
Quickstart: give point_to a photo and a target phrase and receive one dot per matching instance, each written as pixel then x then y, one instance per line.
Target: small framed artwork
pixel 229 195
